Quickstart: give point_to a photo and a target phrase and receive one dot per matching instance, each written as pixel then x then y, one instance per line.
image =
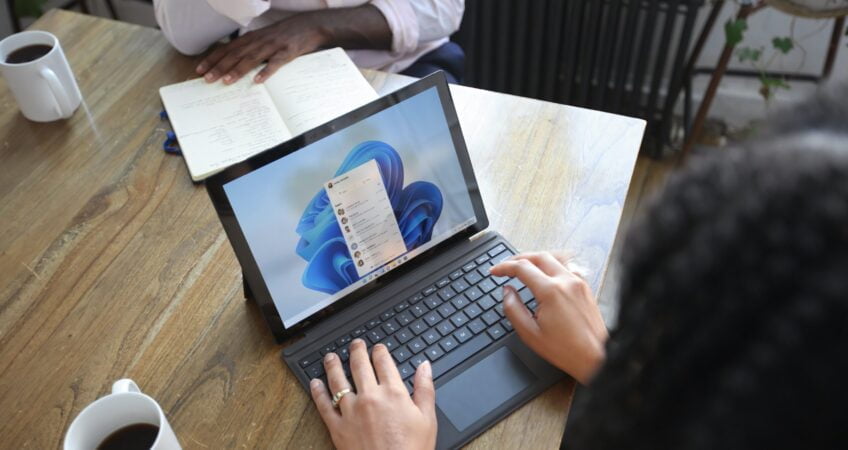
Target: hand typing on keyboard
pixel 379 414
pixel 567 329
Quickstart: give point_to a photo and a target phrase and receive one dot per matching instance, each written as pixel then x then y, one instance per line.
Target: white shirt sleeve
pixel 418 21
pixel 191 26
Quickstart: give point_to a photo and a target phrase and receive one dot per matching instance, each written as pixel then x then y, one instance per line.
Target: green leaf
pixel 29 8
pixel 734 31
pixel 769 85
pixel 749 54
pixel 783 44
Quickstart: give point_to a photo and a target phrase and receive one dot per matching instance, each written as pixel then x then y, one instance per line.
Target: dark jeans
pixel 449 58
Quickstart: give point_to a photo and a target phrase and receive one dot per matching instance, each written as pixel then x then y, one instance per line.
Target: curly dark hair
pixel 733 329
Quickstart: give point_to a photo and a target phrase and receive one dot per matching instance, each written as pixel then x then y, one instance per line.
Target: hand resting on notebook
pixel 380 414
pixel 567 330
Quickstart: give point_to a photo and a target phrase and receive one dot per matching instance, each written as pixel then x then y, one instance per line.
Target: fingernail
pixel 209 76
pixel 329 356
pixel 257 79
pixel 425 369
pixel 315 383
pixel 228 78
pixel 201 68
pixel 357 341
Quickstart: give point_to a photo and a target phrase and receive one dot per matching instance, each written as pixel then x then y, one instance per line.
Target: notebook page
pixel 316 88
pixel 218 125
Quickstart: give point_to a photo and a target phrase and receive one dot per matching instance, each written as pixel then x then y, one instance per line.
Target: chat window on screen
pixel 365 215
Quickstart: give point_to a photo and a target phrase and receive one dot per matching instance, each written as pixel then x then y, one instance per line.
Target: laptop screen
pixel 333 216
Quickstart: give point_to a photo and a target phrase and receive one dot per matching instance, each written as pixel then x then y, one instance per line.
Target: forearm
pixel 362 27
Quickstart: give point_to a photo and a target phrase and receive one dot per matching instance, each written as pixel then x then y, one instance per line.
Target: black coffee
pixel 139 436
pixel 28 53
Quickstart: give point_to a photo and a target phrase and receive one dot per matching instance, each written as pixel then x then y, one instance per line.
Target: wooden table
pixel 115 265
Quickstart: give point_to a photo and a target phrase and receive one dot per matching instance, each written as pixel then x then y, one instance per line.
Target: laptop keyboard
pixel 444 323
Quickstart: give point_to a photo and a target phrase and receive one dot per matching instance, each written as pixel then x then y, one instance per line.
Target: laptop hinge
pixel 476 236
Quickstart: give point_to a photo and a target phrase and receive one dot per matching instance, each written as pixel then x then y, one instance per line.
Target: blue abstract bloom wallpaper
pixel 416 206
pixel 284 214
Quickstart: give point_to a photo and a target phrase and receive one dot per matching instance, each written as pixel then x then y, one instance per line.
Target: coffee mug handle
pixel 65 107
pixel 125 385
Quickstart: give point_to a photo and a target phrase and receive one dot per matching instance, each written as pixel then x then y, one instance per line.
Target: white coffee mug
pixel 126 405
pixel 44 88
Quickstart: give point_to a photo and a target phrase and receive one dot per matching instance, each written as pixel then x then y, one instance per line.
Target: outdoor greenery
pixel 29 8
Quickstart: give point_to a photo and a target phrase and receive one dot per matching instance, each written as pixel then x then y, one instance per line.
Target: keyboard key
pixel 500 280
pixel 434 352
pixel 472 310
pixel 486 285
pixel 516 284
pixel 463 352
pixel 469 267
pixel 375 335
pixel 455 274
pixel 406 370
pixel 499 309
pixel 484 270
pixel 446 310
pixel 416 345
pixel 432 318
pixel 448 344
pixel 445 327
pixel 390 343
pixel 496 332
pixel 344 340
pixel 418 359
pixel 491 317
pixel 315 370
pixel 497 294
pixel 533 305
pixel 486 302
pixel 403 336
pixel 477 326
pixel 401 354
pixel 404 318
pixel 446 294
pixel 497 259
pixel 419 309
pixel 462 335
pixel 481 259
pixel 507 325
pixel 415 299
pixel 459 285
pixel 344 353
pixel 433 301
pixel 473 277
pixel 308 360
pixel 460 301
pixel 443 282
pixel 327 348
pixel 387 315
pixel 459 319
pixel 390 327
pixel 431 336
pixel 418 327
pixel 526 295
pixel 473 294
pixel 359 331
pixel 429 291
pixel 498 248
pixel 373 323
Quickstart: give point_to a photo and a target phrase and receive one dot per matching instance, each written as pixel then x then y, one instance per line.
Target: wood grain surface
pixel 113 263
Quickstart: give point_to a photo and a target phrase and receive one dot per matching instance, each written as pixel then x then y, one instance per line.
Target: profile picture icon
pixel 357 254
pixel 354 246
pixel 347 229
pixel 344 220
pixel 360 263
pixel 330 185
pixel 341 211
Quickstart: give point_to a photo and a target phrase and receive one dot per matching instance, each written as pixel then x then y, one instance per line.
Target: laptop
pixel 372 226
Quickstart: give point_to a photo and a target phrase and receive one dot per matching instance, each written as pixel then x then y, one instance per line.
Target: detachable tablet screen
pixel 337 214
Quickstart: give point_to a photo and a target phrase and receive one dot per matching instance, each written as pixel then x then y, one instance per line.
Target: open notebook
pixel 218 125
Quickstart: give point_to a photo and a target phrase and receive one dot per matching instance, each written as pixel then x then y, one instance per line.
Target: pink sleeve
pixel 403 22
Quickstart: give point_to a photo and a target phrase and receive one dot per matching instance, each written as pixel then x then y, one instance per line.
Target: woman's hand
pixel 380 415
pixel 567 330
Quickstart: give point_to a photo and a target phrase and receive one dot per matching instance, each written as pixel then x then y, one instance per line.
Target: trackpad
pixel 483 387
